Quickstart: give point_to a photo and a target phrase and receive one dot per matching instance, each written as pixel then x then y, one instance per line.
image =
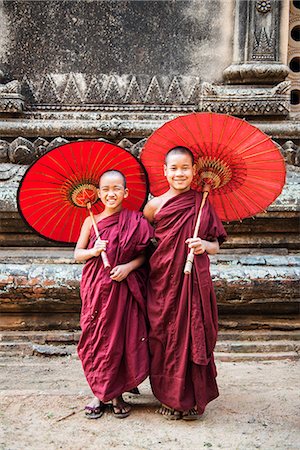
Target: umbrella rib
pixel 89 160
pixel 252 146
pixel 200 132
pixel 98 155
pixel 247 138
pixel 49 220
pixel 241 200
pixel 264 152
pixel 59 220
pixel 241 123
pixel 72 224
pixel 261 208
pixel 232 206
pixel 224 209
pixel 188 130
pixel 66 160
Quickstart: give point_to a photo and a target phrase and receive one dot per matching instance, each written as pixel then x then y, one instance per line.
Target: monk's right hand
pixel 99 246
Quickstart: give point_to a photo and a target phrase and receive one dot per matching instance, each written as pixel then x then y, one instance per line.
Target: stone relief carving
pixel 257 44
pixel 22 151
pixel 263 46
pixel 291 153
pixel 263 6
pixel 246 101
pixel 11 100
pixel 177 94
pixel 78 89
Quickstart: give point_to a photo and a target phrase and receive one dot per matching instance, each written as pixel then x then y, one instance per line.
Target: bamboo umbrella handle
pixel 103 253
pixel 190 258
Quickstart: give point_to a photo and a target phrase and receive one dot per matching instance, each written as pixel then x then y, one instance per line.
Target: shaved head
pixel 180 151
pixel 114 172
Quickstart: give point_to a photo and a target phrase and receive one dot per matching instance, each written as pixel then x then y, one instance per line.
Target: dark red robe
pixel 182 309
pixel 113 346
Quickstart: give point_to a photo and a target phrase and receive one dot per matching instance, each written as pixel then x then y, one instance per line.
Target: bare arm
pixel 81 252
pixel 120 272
pixel 200 246
pixel 151 208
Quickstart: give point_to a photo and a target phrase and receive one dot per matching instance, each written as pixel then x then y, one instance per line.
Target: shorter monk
pixel 113 346
pixel 182 309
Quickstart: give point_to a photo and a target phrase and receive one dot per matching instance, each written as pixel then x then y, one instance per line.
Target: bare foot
pixel 169 413
pixel 95 409
pixel 120 408
pixel 191 414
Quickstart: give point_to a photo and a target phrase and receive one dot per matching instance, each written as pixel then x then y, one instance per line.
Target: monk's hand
pixel 199 245
pixel 119 273
pixel 99 246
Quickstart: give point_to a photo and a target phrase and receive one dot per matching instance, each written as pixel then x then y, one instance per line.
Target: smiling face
pixel 112 191
pixel 179 171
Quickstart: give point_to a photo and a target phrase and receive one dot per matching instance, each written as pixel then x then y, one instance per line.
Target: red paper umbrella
pixel 57 188
pixel 238 163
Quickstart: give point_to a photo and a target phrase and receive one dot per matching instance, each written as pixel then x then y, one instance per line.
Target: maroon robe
pixel 182 309
pixel 113 347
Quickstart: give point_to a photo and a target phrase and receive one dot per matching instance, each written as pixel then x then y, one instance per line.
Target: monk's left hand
pixel 199 245
pixel 119 273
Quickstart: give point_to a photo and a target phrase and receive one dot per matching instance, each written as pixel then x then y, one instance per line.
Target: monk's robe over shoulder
pixel 182 309
pixel 113 346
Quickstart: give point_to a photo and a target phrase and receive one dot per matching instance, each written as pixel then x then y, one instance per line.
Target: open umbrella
pixel 238 164
pixel 57 189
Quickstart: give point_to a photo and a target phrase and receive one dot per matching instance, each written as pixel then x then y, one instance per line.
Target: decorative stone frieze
pixel 23 151
pixel 246 101
pixel 102 89
pixel 11 100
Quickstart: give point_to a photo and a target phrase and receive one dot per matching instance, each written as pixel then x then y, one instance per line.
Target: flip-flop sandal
pixel 119 415
pixel 94 412
pixel 173 414
pixel 191 414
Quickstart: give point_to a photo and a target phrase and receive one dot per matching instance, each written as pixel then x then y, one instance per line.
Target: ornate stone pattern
pixel 257 44
pixel 263 6
pixel 246 101
pixel 69 90
pixel 264 42
pixel 11 100
pixel 22 151
pixel 263 48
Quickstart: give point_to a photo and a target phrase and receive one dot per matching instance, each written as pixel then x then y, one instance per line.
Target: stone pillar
pixel 258 55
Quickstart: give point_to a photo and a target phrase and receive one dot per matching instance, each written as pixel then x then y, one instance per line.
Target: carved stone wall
pixel 73 69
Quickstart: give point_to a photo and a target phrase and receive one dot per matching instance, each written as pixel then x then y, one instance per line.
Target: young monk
pixel 182 309
pixel 113 347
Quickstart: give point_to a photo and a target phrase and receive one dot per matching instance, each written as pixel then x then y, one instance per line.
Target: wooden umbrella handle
pixel 190 257
pixel 103 253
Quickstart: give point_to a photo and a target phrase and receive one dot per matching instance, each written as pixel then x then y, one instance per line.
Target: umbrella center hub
pixel 213 171
pixel 83 194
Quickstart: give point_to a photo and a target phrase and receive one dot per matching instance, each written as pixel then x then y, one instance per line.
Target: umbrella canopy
pixel 55 189
pixel 241 164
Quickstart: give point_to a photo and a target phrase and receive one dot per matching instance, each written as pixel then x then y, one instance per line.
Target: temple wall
pixel 117 71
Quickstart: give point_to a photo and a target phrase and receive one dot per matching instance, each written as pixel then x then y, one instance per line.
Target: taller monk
pixel 182 309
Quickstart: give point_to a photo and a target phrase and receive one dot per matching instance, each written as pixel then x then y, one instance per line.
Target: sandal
pixel 94 412
pixel 169 413
pixel 121 414
pixel 191 414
